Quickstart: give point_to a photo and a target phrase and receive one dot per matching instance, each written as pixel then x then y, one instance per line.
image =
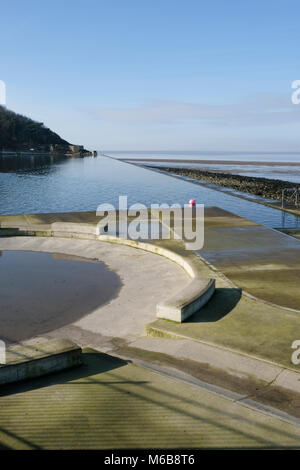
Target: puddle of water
pixel 40 292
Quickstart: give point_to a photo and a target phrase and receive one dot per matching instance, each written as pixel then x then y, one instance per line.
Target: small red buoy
pixel 192 202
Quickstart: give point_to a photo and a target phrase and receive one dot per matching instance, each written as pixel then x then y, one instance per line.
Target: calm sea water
pixel 209 155
pixel 33 184
pixel 286 173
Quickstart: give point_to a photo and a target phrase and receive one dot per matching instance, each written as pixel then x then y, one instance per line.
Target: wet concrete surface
pixel 230 320
pixel 259 260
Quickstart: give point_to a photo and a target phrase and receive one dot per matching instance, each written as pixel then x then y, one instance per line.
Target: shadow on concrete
pixel 163 399
pixel 2 446
pixel 222 302
pixel 94 363
pixel 10 232
pixel 16 438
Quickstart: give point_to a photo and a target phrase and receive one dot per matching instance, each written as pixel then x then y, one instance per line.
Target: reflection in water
pixel 39 185
pixel 40 292
pixel 30 163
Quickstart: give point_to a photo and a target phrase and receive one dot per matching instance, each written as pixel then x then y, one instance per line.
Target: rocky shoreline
pixel 264 187
pixel 68 151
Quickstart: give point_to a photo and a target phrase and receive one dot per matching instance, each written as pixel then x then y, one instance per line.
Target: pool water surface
pixel 41 292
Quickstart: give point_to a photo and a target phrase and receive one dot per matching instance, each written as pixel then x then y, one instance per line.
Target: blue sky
pixel 156 75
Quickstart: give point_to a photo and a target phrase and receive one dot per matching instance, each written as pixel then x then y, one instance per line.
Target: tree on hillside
pixel 19 132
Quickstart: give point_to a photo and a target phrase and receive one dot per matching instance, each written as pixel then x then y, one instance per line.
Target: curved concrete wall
pixel 178 307
pixel 191 298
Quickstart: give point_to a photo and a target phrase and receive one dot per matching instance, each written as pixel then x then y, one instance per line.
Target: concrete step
pixel 26 361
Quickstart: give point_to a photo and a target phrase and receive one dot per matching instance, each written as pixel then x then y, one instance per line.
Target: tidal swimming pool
pixel 41 292
pixel 39 184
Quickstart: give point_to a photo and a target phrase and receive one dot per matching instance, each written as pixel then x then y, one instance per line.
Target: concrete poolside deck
pixel 258 260
pixel 238 341
pixel 111 404
pixel 261 261
pixel 130 309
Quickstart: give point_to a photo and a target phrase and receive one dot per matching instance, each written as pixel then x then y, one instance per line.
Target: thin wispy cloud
pixel 265 109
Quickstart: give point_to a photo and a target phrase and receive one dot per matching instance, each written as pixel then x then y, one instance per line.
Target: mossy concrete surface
pixel 256 260
pixel 259 260
pixel 26 361
pixel 238 323
pixel 111 404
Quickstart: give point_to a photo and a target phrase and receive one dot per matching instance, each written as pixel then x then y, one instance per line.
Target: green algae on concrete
pixel 261 261
pixel 239 323
pixel 111 404
pixel 26 361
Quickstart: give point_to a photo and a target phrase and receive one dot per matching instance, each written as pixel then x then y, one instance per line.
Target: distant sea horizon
pixel 203 153
pixel 279 165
